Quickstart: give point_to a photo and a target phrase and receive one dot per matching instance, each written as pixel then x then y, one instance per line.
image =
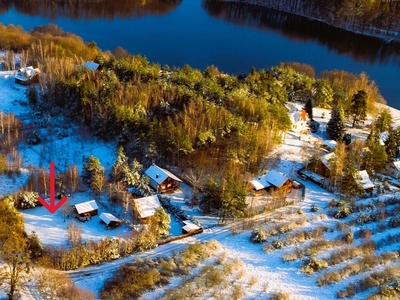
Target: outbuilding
pixel 189 227
pixel 110 220
pixel 86 210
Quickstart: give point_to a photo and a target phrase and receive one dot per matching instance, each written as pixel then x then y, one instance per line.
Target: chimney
pixel 157 175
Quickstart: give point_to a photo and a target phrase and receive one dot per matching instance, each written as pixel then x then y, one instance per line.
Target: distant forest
pixel 377 17
pixel 90 9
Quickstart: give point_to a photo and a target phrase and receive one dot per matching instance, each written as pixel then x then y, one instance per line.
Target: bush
pixel 279 296
pixel 314 208
pixel 343 210
pixel 394 222
pixel 348 237
pixel 314 264
pixel 277 244
pixel 33 139
pixel 28 200
pixel 258 235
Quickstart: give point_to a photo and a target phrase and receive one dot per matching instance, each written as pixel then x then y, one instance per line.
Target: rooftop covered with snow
pixel 85 207
pixel 159 174
pixel 147 206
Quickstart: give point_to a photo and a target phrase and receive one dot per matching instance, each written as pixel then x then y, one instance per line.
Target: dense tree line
pixel 370 17
pixel 90 9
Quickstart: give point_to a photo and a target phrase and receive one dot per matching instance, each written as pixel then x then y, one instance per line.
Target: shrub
pixel 394 222
pixel 277 244
pixel 258 235
pixel 348 237
pixel 28 200
pixel 279 296
pixel 343 210
pixel 314 264
pixel 328 278
pixel 237 292
pixel 314 208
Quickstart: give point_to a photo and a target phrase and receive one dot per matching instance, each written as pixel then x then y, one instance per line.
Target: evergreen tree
pixel 309 109
pixel 392 144
pixel 384 120
pixel 233 198
pixel 91 167
pixel 162 222
pixel 358 107
pixel 335 127
pixel 211 196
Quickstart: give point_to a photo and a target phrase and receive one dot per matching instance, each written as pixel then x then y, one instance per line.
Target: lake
pixel 232 36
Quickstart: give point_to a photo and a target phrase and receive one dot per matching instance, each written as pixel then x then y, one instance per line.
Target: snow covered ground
pixel 271 272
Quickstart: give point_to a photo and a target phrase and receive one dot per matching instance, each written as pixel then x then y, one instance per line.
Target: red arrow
pixel 52 207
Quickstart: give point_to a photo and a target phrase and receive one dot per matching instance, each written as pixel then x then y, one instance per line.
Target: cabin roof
pixel 107 218
pixel 159 174
pixel 272 178
pixel 85 207
pixel 364 180
pixel 147 206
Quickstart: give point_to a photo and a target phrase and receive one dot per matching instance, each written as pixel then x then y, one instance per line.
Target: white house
pixel 300 121
pixel 162 180
pixel 392 169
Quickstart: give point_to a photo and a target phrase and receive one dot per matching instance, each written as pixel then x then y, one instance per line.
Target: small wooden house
pixel 189 227
pixel 272 181
pixel 27 76
pixel 329 145
pixel 86 210
pixel 162 180
pixel 110 220
pixel 392 169
pixel 146 206
pixel 364 181
pixel 323 165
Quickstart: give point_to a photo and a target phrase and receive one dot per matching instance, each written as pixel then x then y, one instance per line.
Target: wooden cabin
pixel 110 220
pixel 86 210
pixel 162 180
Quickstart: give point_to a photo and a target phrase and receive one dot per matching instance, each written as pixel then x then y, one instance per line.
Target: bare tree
pixel 73 178
pixel 74 234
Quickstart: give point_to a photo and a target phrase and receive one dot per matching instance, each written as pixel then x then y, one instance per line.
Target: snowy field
pixel 272 273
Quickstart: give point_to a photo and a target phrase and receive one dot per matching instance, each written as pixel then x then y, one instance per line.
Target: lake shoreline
pixel 394 36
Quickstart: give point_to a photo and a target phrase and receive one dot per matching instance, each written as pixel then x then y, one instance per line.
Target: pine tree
pixel 384 121
pixel 392 144
pixel 309 109
pixel 358 107
pixel 335 128
pixel 91 167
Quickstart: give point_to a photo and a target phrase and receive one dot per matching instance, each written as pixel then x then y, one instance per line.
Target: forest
pixel 376 17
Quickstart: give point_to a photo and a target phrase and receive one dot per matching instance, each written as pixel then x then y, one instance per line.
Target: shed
pixel 189 227
pixel 329 145
pixel 162 180
pixel 86 210
pixel 146 206
pixel 392 169
pixel 110 220
pixel 27 76
pixel 364 181
pixel 91 65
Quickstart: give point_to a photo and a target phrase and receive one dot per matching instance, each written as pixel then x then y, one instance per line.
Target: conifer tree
pixel 309 109
pixel 335 128
pixel 358 107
